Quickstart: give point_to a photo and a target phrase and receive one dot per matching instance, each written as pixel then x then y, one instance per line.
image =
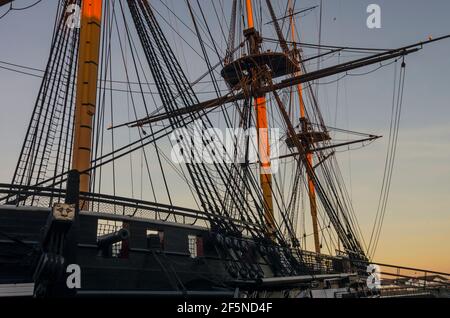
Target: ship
pixel 242 234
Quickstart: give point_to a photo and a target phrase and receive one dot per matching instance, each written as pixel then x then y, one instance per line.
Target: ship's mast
pixel 261 126
pixel 88 60
pixel 304 127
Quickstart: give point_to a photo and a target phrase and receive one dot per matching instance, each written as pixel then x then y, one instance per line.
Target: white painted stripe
pixel 16 290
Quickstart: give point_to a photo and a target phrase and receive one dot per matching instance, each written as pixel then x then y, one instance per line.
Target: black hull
pixel 164 270
pixel 146 268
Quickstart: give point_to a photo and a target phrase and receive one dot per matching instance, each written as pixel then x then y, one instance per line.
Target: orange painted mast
pixel 263 138
pixel 250 14
pixel 309 155
pixel 85 107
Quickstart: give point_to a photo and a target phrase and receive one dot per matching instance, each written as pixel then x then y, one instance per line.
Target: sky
pixel 416 229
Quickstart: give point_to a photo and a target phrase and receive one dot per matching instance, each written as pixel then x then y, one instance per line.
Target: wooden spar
pixel 88 60
pixel 263 137
pixel 234 95
pixel 303 78
pixel 309 155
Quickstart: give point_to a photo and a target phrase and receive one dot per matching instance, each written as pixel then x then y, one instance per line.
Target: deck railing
pixel 102 203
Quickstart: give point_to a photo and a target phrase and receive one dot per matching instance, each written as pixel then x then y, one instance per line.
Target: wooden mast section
pixel 263 132
pixel 304 127
pixel 86 94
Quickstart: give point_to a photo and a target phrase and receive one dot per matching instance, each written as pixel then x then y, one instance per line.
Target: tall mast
pixel 304 127
pixel 88 60
pixel 262 128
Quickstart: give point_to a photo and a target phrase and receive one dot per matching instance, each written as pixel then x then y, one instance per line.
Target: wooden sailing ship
pixel 243 237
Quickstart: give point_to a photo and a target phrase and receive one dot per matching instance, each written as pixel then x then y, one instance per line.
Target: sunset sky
pixel 416 229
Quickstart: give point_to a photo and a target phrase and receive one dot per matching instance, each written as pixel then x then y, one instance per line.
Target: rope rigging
pixel 11 8
pixel 140 144
pixel 159 100
pixel 397 103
